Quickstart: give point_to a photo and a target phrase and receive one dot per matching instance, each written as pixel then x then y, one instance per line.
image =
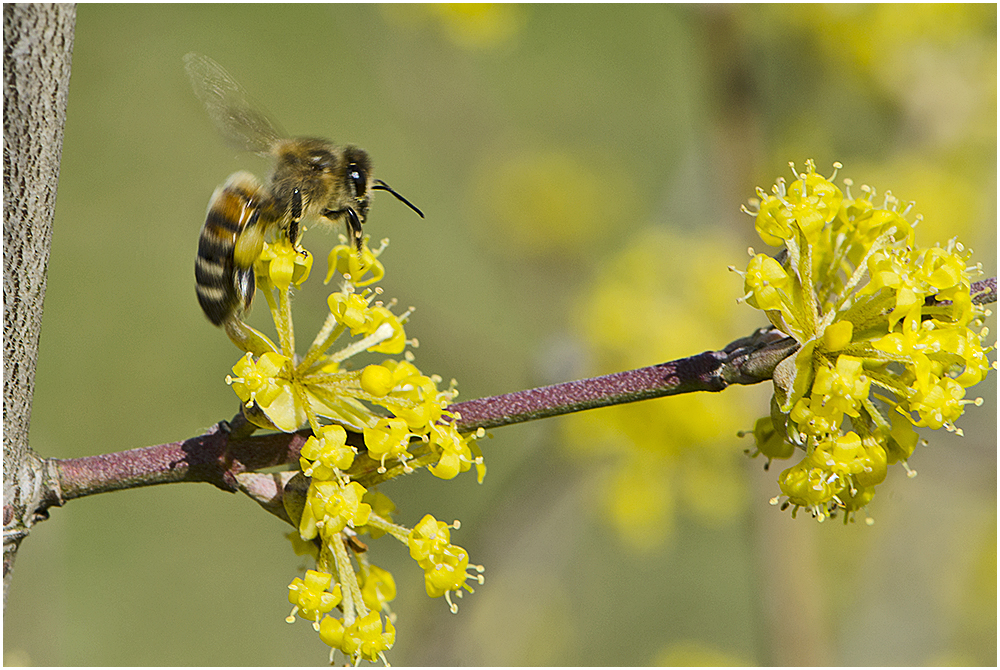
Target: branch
pixel 984 292
pixel 747 361
pixel 216 457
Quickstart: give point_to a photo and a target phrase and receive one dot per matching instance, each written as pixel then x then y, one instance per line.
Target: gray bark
pixel 37 46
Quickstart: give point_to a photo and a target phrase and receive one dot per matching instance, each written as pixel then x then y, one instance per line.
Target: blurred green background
pixel 545 145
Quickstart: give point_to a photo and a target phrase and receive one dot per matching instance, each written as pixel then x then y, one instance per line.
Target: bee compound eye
pixel 358 179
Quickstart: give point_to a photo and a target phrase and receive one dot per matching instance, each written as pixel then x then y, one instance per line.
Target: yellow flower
pixel 765 282
pixel 344 259
pixel 445 565
pixel 939 405
pixel 351 309
pixel 389 437
pixel 377 587
pixel 774 221
pixel 284 264
pixel 807 486
pixel 448 574
pixel 844 387
pixel 310 597
pixel 456 456
pixel 259 381
pixel 428 539
pixel 770 442
pixel 330 452
pixel 331 506
pixel 362 640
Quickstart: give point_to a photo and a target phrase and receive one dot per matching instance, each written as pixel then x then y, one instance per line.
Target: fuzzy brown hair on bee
pixel 312 179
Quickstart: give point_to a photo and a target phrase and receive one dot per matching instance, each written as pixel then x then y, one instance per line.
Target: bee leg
pixel 293 226
pixel 245 285
pixel 354 229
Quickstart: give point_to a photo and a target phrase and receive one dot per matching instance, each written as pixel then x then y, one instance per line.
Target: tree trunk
pixel 37 46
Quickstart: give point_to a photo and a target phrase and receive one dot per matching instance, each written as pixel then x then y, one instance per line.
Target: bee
pixel 311 179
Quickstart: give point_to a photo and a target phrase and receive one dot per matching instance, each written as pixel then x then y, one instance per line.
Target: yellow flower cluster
pixel 888 354
pixel 285 393
pixel 415 429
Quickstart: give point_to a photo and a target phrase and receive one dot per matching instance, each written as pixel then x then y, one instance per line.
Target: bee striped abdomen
pixel 225 283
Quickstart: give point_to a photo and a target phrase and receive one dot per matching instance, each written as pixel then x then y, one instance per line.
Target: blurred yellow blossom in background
pixel 544 203
pixel 475 26
pixel 661 457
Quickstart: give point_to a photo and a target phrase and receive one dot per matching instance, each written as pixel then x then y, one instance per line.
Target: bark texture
pixel 37 47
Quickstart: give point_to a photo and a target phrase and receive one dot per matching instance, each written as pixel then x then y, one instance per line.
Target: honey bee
pixel 311 179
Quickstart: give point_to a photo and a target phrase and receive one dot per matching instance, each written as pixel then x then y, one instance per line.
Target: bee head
pixel 359 182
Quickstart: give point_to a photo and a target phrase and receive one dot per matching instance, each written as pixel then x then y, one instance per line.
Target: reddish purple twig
pixel 697 373
pixel 214 457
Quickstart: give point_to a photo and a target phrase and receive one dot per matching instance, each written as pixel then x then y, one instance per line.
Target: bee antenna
pixel 382 186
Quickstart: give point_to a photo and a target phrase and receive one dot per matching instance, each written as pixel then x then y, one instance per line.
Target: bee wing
pixel 241 123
